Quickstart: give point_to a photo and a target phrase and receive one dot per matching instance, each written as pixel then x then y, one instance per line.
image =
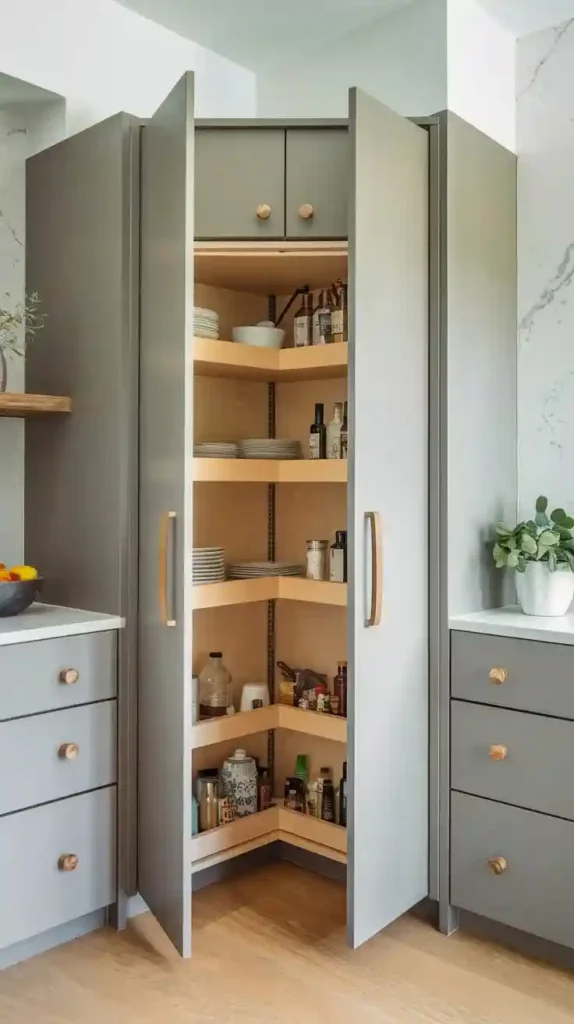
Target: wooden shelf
pixel 321 833
pixel 276 716
pixel 304 471
pixel 221 840
pixel 21 405
pixel 247 362
pixel 216 595
pixel 312 723
pixel 265 268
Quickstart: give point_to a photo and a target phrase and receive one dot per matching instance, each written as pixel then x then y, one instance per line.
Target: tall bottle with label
pixel 318 434
pixel 339 314
pixel 344 434
pixel 334 432
pixel 303 323
pixel 322 319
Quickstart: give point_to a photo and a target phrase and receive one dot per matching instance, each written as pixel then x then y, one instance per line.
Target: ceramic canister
pixel 239 781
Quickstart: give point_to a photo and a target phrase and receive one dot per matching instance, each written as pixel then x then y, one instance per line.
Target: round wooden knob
pixel 498 865
pixel 67 862
pixel 498 676
pixel 498 752
pixel 263 211
pixel 68 751
pixel 306 211
pixel 69 676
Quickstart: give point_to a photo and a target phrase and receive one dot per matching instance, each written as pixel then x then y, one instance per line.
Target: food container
pixel 239 782
pixel 208 800
pixel 252 692
pixel 317 559
pixel 261 336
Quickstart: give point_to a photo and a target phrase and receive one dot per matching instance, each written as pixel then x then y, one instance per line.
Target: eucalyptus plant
pixel 546 538
pixel 20 324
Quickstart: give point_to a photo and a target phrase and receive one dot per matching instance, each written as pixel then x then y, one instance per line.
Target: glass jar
pixel 214 688
pixel 317 559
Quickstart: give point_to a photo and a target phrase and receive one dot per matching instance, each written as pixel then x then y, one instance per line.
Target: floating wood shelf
pixel 216 595
pixel 247 362
pixel 303 471
pixel 265 268
pixel 20 406
pixel 276 716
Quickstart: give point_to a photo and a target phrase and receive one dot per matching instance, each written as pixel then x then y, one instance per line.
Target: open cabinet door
pixel 166 537
pixel 388 518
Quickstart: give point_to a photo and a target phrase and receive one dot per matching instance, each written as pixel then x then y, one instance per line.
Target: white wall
pixel 545 138
pixel 400 59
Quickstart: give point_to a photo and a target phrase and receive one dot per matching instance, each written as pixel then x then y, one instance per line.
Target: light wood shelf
pixel 310 471
pixel 276 716
pixel 312 723
pixel 265 268
pixel 20 406
pixel 242 830
pixel 294 588
pixel 315 830
pixel 247 362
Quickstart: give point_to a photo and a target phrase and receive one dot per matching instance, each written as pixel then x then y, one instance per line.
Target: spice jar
pixel 317 559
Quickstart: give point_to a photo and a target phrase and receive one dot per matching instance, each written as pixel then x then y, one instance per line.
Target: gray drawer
pixel 237 170
pixel 34 893
pixel 539 676
pixel 30 673
pixel 536 770
pixel 318 164
pixel 32 768
pixel 535 892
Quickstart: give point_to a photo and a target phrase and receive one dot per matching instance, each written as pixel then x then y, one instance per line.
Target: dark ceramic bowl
pixel 17 596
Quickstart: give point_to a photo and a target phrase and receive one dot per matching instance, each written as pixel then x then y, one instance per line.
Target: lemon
pixel 25 572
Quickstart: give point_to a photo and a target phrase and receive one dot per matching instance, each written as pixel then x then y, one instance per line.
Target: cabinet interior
pixel 260 520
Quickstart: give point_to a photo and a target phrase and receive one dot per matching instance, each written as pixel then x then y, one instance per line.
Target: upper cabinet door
pixel 166 451
pixel 388 518
pixel 240 183
pixel 317 192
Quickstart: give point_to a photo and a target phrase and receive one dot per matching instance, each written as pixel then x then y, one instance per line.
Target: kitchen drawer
pixel 33 768
pixel 35 894
pixel 537 757
pixel 535 891
pixel 30 673
pixel 238 170
pixel 538 676
pixel 318 164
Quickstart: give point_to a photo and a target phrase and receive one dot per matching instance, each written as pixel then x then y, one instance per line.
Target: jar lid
pixel 239 755
pixel 215 654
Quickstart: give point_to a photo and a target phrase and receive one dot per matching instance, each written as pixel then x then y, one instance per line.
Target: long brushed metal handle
pixel 376 603
pixel 166 532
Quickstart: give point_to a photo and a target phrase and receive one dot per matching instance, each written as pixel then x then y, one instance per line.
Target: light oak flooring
pixel 270 949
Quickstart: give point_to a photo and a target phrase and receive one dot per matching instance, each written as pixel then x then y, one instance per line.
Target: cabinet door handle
pixel 69 751
pixel 498 865
pixel 263 211
pixel 69 676
pixel 376 602
pixel 166 533
pixel 498 752
pixel 306 211
pixel 67 862
pixel 498 676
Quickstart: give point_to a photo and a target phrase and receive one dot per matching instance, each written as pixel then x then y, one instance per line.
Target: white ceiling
pixel 14 91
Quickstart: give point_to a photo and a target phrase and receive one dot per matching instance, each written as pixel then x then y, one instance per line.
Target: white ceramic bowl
pixel 261 337
pixel 251 692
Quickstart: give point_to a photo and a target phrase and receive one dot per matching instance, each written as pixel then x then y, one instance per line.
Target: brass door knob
pixel 498 675
pixel 69 676
pixel 68 751
pixel 498 865
pixel 263 211
pixel 306 211
pixel 67 862
pixel 498 752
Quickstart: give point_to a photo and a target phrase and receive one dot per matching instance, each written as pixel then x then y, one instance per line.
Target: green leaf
pixel 558 516
pixel 522 563
pixel 528 543
pixel 531 525
pixel 512 559
pixel 563 533
pixel 541 504
pixel 502 530
pixel 552 561
pixel 569 558
pixel 568 523
pixel 542 520
pixel 511 543
pixel 499 555
pixel 548 538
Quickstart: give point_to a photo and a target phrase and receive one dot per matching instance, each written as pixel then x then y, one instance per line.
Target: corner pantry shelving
pixel 277 716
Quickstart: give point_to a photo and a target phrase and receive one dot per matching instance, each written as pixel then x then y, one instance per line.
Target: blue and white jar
pixel 239 782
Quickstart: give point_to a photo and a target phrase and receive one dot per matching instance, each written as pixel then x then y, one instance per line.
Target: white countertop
pixel 510 621
pixel 43 621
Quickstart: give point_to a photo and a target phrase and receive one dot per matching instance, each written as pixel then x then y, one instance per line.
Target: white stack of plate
pixel 205 323
pixel 215 450
pixel 269 448
pixel 254 570
pixel 208 565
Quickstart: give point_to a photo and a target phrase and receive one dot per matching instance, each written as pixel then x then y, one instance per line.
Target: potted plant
pixel 18 326
pixel 542 552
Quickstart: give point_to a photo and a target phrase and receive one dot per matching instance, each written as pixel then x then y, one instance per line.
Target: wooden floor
pixel 270 949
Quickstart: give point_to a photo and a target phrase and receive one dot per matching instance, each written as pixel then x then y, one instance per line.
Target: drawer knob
pixel 306 211
pixel 263 211
pixel 67 862
pixel 68 751
pixel 498 865
pixel 69 676
pixel 498 675
pixel 498 752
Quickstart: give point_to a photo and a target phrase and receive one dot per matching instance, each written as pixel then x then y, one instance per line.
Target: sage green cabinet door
pixel 317 192
pixel 239 183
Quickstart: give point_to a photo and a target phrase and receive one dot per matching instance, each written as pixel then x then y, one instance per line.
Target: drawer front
pixel 35 894
pixel 539 676
pixel 238 170
pixel 318 163
pixel 535 892
pixel 516 758
pixel 31 674
pixel 33 768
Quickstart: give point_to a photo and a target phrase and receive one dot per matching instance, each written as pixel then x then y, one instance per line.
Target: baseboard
pixel 521 942
pixel 53 937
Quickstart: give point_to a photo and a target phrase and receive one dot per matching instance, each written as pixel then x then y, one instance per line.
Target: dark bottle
pixel 328 796
pixel 318 434
pixel 340 687
pixel 344 434
pixel 343 797
pixel 338 560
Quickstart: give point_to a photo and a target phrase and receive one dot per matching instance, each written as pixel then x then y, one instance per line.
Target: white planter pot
pixel 541 592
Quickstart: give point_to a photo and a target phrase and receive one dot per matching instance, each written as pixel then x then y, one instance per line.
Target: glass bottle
pixel 303 323
pixel 318 434
pixel 343 797
pixel 334 432
pixel 214 688
pixel 322 319
pixel 339 315
pixel 344 433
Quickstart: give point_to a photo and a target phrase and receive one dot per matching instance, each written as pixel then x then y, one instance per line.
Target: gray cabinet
pixel 317 183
